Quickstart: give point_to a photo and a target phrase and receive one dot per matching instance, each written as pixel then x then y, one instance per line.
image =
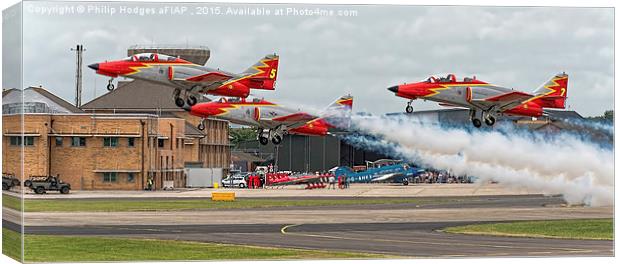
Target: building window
pixel 58 141
pixel 28 141
pixel 109 177
pixel 160 142
pixel 131 142
pixel 130 177
pixel 78 141
pixel 110 141
pixel 16 140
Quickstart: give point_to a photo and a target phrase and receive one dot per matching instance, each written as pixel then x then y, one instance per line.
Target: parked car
pixel 237 180
pixel 8 181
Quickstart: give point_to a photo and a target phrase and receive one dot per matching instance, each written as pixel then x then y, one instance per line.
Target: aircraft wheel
pixel 276 140
pixel 409 109
pixel 5 186
pixel 263 140
pixel 201 126
pixel 490 121
pixel 405 183
pixel 110 87
pixel 191 100
pixel 179 102
pixel 477 123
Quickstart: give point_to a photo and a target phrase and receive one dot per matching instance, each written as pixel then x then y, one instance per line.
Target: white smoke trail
pixel 593 127
pixel 552 164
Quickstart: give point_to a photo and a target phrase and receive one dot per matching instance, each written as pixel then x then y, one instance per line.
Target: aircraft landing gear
pixel 275 135
pixel 180 102
pixel 263 136
pixel 489 116
pixel 110 86
pixel 474 119
pixel 477 123
pixel 409 108
pixel 276 139
pixel 202 124
pixel 191 100
pixel 489 120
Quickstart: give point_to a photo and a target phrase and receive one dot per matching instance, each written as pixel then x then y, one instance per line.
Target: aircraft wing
pixel 293 121
pixel 210 77
pixel 189 77
pixel 300 180
pixel 386 177
pixel 503 101
pixel 294 118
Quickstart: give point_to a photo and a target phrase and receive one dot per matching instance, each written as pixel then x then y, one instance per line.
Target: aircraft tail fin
pixel 263 74
pixel 338 113
pixel 343 103
pixel 552 94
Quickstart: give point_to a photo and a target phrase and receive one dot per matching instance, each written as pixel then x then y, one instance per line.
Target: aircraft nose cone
pixel 94 66
pixel 394 89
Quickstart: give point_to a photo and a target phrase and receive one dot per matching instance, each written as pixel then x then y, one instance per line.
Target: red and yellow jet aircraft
pixel 484 98
pixel 190 78
pixel 273 120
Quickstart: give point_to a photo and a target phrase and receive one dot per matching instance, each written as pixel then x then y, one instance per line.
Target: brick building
pixel 102 149
pixel 95 152
pixel 206 149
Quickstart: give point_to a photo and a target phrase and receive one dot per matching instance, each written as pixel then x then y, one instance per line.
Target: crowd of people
pixel 331 181
pixel 440 177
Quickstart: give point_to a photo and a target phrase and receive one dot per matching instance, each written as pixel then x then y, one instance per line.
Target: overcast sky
pixel 323 57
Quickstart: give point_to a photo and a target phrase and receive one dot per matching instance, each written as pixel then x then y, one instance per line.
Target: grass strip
pixel 599 229
pixel 46 248
pixel 163 204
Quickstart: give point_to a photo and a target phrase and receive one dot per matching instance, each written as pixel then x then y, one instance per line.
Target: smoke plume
pixel 550 163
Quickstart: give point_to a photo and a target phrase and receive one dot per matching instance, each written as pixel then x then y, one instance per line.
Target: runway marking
pixel 283 231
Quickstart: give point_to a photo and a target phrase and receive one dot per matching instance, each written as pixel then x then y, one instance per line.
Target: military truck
pixel 8 181
pixel 42 184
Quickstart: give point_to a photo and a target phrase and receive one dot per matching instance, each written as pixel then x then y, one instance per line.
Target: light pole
pixel 79 49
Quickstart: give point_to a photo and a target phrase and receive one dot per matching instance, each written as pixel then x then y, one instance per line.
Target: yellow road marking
pixel 497 254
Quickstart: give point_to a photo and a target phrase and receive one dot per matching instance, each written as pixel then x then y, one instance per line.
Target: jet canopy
pixel 238 100
pixel 448 79
pixel 150 57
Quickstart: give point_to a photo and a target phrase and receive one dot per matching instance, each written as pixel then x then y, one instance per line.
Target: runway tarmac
pixel 409 230
pixel 421 239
